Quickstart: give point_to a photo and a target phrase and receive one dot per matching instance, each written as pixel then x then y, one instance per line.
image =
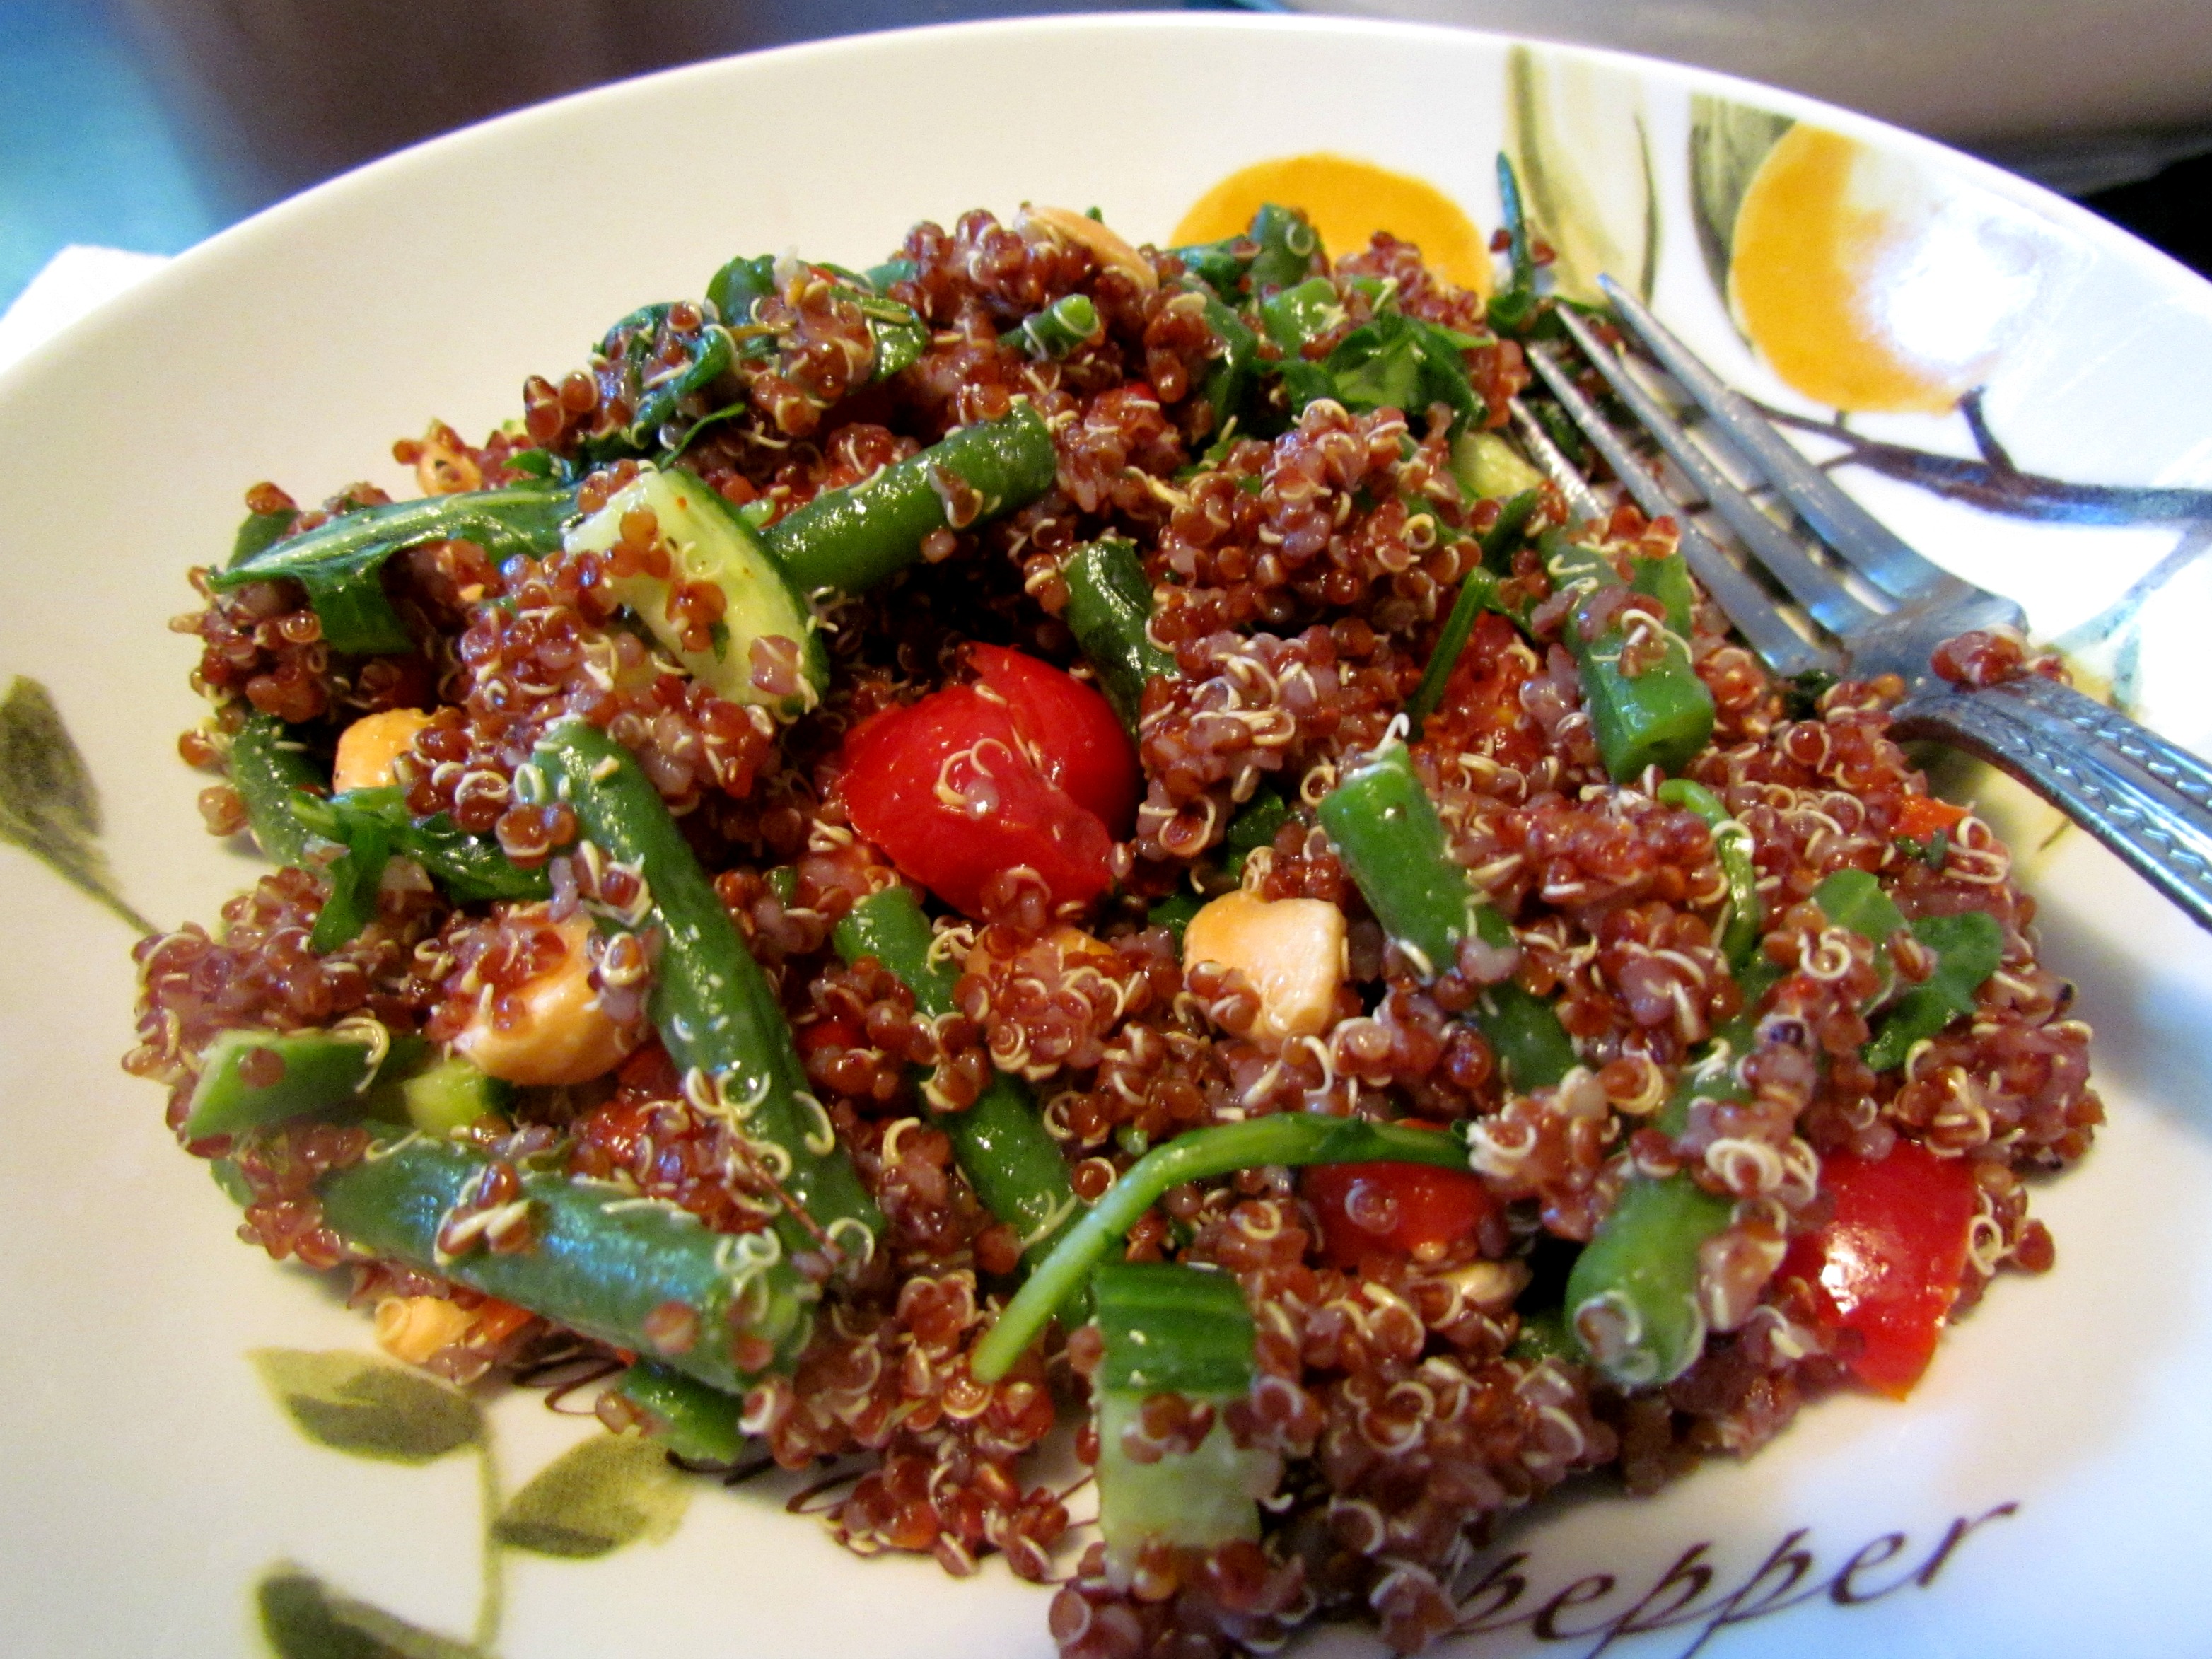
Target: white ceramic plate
pixel 2044 1492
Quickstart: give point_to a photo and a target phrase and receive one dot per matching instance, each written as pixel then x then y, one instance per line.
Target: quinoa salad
pixel 1053 832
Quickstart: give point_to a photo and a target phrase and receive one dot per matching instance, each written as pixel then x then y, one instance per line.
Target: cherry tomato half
pixel 1888 1264
pixel 1025 766
pixel 1399 1209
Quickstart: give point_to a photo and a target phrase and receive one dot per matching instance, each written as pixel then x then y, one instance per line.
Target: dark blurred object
pixel 2173 210
pixel 275 95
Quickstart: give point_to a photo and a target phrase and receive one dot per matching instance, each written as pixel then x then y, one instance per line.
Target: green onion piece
pixel 1290 1139
pixel 1186 1331
pixel 1746 914
pixel 1172 1329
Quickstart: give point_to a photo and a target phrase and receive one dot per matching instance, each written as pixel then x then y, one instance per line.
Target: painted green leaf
pixel 48 806
pixel 596 1496
pixel 1575 131
pixel 303 1618
pixel 1728 142
pixel 354 1404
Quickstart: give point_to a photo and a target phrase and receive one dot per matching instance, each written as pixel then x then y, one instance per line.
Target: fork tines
pixel 1871 573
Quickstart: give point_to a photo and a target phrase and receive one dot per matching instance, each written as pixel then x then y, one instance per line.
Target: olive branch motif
pixel 601 1494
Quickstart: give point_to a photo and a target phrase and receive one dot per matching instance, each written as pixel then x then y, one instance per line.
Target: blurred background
pixel 150 124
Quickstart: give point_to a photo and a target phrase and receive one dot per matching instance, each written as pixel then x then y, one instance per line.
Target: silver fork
pixel 1875 607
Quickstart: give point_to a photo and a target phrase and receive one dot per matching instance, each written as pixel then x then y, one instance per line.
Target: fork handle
pixel 2185 774
pixel 2159 829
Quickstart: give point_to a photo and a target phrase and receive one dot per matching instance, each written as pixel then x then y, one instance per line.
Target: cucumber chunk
pixel 707 542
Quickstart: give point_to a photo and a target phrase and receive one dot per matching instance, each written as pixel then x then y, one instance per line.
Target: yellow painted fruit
pixel 1348 201
pixel 1870 284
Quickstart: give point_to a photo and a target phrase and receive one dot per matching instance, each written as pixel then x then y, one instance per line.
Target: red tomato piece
pixel 1888 1266
pixel 1396 1209
pixel 1922 815
pixel 1073 733
pixel 955 790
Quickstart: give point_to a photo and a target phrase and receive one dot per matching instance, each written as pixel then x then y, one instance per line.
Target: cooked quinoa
pixel 1299 580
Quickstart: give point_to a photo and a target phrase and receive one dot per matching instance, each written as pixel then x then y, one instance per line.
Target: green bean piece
pixel 249 1078
pixel 1289 249
pixel 1667 581
pixel 1660 716
pixel 697 1423
pixel 599 1261
pixel 1523 1030
pixel 1292 1139
pixel 1002 1144
pixel 1969 948
pixel 1109 610
pixel 849 539
pixel 716 1013
pixel 1477 593
pixel 1632 1294
pixel 1060 328
pixel 268 765
pixel 1183 1330
pixel 1745 917
pixel 341 563
pixel 1387 831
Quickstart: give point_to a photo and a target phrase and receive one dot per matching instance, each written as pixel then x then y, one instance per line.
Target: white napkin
pixel 76 281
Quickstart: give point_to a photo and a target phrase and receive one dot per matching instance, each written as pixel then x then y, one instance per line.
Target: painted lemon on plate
pixel 1871 282
pixel 1348 201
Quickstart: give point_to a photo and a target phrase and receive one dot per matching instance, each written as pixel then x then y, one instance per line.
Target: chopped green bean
pixel 697 1423
pixel 1632 1296
pixel 716 1013
pixel 1387 831
pixel 1109 610
pixel 268 764
pixel 600 1261
pixel 849 539
pixel 250 1078
pixel 1002 1144
pixel 1659 716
